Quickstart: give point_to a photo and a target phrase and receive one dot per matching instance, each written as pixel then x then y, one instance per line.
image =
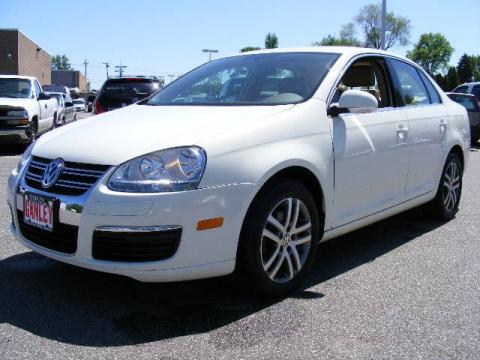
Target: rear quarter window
pixel 432 92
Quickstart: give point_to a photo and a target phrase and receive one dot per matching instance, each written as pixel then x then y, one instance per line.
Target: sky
pixel 157 37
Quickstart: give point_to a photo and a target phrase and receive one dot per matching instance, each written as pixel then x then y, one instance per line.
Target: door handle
pixel 402 133
pixel 46 106
pixel 443 128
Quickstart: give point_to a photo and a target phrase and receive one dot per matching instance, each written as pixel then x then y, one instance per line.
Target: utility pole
pixel 210 51
pixel 107 65
pixel 384 25
pixel 119 69
pixel 85 63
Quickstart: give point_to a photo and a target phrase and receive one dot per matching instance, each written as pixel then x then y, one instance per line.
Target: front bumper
pixel 200 254
pixel 16 134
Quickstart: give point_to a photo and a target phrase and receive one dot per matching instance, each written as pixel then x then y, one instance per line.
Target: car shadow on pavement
pixel 82 307
pixel 9 150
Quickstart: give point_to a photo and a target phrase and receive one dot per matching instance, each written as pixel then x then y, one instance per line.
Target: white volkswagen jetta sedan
pixel 243 164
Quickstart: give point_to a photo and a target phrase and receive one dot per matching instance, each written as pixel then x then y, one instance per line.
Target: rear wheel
pixel 475 139
pixel 279 239
pixel 445 204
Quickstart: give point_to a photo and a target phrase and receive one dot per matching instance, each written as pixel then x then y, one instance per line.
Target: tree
pixel 440 80
pixel 250 48
pixel 432 52
pixel 347 35
pixel 370 21
pixel 60 62
pixel 466 68
pixel 451 79
pixel 346 38
pixel 271 41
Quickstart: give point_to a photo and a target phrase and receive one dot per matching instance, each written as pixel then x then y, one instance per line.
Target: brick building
pixel 71 79
pixel 19 55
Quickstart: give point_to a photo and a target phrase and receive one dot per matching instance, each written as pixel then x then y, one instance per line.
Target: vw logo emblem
pixel 52 173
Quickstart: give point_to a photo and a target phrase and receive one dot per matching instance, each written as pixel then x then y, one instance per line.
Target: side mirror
pixel 68 104
pixel 354 101
pixel 43 96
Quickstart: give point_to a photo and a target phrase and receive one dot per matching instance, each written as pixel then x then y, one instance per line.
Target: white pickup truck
pixel 25 110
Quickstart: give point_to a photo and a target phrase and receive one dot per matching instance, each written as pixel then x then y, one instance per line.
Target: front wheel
pixel 445 204
pixel 279 239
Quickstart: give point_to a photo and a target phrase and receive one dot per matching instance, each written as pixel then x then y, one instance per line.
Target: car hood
pixel 15 102
pixel 120 135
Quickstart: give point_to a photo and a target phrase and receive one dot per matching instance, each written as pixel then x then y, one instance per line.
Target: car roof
pixel 54 93
pixel 18 77
pixel 349 51
pixel 469 83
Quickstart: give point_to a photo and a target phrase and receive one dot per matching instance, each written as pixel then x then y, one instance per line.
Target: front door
pixel 371 150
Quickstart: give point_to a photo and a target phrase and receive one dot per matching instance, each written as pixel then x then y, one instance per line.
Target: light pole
pixel 119 69
pixel 107 65
pixel 384 16
pixel 210 51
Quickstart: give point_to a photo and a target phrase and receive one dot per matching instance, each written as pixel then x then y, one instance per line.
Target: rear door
pixel 371 149
pixel 428 119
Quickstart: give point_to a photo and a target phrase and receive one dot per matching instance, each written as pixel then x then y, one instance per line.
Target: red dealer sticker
pixel 38 211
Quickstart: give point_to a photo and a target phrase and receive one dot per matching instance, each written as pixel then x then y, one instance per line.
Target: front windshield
pixel 15 88
pixel 263 79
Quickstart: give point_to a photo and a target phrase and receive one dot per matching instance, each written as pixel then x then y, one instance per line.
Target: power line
pixel 210 51
pixel 119 69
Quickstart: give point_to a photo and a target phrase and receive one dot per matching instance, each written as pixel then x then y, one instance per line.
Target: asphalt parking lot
pixel 405 288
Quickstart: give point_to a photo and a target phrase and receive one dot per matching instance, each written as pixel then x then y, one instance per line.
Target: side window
pixel 366 75
pixel 409 88
pixel 461 89
pixel 38 89
pixel 476 92
pixel 432 92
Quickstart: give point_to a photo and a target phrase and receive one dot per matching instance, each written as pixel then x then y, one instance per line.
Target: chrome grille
pixel 75 179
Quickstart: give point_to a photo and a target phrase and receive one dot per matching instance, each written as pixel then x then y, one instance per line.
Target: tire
pixel 74 117
pixel 270 260
pixel 475 139
pixel 34 130
pixel 445 204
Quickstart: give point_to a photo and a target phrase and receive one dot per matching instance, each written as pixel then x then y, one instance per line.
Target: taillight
pixel 98 108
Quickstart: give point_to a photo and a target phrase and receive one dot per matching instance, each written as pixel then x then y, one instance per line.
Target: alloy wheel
pixel 286 240
pixel 451 186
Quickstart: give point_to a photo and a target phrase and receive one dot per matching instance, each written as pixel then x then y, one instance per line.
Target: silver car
pixel 66 110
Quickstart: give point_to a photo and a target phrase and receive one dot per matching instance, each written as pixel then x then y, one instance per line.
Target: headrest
pixel 359 75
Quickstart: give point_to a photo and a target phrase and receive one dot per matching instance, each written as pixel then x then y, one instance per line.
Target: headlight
pixel 25 157
pixel 174 169
pixel 23 114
